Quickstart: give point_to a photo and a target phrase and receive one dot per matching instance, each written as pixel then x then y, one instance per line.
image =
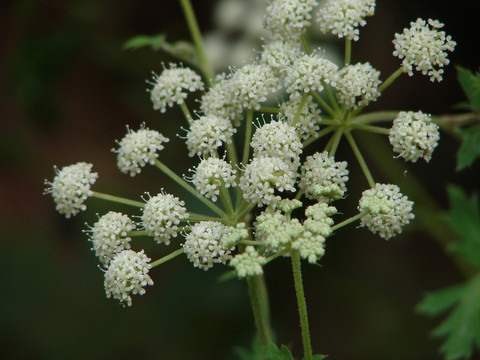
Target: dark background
pixel 67 92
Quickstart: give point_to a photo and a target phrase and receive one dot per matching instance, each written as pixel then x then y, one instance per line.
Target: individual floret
pixel 307 122
pixel 288 19
pixel 386 210
pixel 137 149
pixel 109 235
pixel 161 215
pixel 358 85
pixel 277 139
pixel 211 174
pixel 71 187
pixel 343 17
pixel 202 245
pixel 172 86
pixel 127 275
pixel 424 47
pixel 248 263
pixel 310 73
pixel 414 135
pixel 262 176
pixel 322 178
pixel 207 134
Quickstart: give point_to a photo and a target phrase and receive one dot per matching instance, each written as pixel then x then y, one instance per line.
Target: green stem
pixel 331 97
pixel 336 140
pixel 373 117
pixel 189 188
pixel 348 51
pixel 321 133
pixel 226 200
pixel 390 79
pixel 299 110
pixel 258 300
pixel 186 112
pixel 305 44
pixel 248 136
pixel 251 242
pixel 137 233
pixel 197 39
pixel 193 217
pixel 348 221
pixel 370 128
pixel 323 104
pixel 360 159
pixel 269 109
pixel 302 305
pixel 167 257
pixel 118 199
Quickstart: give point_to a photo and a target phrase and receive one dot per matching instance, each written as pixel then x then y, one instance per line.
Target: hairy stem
pixel 259 301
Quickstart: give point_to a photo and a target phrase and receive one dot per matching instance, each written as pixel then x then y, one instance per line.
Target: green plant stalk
pixel 321 133
pixel 226 200
pixel 299 110
pixel 269 109
pixel 335 141
pixel 118 199
pixel 167 257
pixel 259 301
pixel 348 221
pixel 189 188
pixel 323 104
pixel 360 159
pixel 390 79
pixel 305 44
pixel 371 128
pixel 197 39
pixel 348 51
pixel 331 98
pixel 186 112
pixel 248 137
pixel 373 117
pixel 302 305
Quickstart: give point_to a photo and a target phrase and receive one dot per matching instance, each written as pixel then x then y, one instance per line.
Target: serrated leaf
pixel 470 83
pixel 272 352
pixel 182 50
pixel 319 357
pixel 440 301
pixel 464 219
pixel 470 148
pixel 156 42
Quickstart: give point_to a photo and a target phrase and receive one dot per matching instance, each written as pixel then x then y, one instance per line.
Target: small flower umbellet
pixel 274 196
pixel 71 187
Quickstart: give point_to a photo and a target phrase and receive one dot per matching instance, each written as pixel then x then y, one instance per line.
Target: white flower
pixel 71 187
pixel 276 230
pixel 414 135
pixel 248 263
pixel 207 134
pixel 280 54
pixel 358 85
pixel 202 245
pixel 288 19
pixel 263 175
pixel 137 149
pixel 127 275
pixel 310 72
pixel 343 17
pixel 161 215
pixel 424 47
pixel 310 246
pixel 218 100
pixel 307 123
pixel 172 85
pixel 386 210
pixel 322 178
pixel 211 174
pixel 233 235
pixel 109 235
pixel 277 139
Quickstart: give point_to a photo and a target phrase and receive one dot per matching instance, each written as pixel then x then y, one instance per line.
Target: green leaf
pixel 461 327
pixel 319 357
pixel 156 42
pixel 464 219
pixel 272 352
pixel 254 354
pixel 470 148
pixel 470 83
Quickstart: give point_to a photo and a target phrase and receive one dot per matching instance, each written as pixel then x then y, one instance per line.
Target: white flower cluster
pixel 207 134
pixel 308 119
pixel 211 174
pixel 288 19
pixel 343 17
pixel 172 85
pixel 424 47
pixel 414 135
pixel 310 73
pixel 137 149
pixel 386 210
pixel 322 178
pixel 358 85
pixel 161 215
pixel 277 139
pixel 263 175
pixel 276 230
pixel 279 55
pixel 248 263
pixel 109 235
pixel 71 187
pixel 203 247
pixel 127 275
